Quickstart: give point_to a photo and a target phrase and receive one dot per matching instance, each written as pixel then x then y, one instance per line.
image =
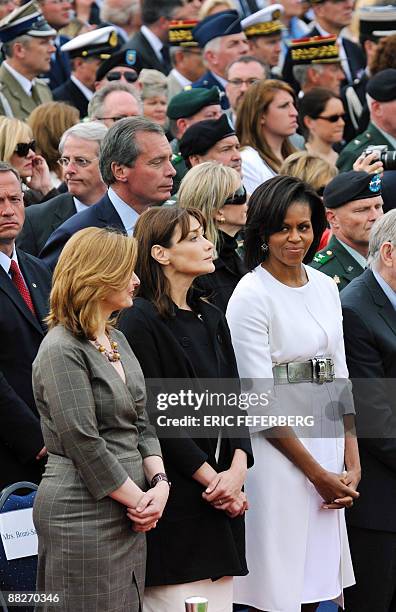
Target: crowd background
pixel 250 149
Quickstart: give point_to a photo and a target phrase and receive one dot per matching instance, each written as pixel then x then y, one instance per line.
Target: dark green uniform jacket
pixel 350 153
pixel 335 261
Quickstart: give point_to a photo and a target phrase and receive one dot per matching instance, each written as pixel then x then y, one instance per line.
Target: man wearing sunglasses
pixel 122 66
pixel 86 52
pixel 27 44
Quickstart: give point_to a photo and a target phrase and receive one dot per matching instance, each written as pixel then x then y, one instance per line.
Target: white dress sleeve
pixel 254 170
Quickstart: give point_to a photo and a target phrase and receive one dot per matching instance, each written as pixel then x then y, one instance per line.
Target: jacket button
pixel 219 338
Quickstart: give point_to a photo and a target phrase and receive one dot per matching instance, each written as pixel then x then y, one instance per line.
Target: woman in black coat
pixel 199 544
pixel 217 191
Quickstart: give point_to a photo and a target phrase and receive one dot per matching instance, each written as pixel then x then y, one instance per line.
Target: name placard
pixel 18 533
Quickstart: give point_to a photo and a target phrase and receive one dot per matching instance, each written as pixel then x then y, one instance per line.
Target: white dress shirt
pixel 127 215
pixel 25 83
pixel 154 41
pixel 84 90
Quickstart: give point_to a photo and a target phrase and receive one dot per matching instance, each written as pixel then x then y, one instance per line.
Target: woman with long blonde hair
pixel 266 118
pixel 217 191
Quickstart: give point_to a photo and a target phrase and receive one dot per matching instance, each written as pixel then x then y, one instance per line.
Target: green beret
pixel 190 101
pixel 349 186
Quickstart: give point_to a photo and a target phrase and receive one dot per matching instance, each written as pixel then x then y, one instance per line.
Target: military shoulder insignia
pixel 176 158
pixel 322 258
pixel 336 279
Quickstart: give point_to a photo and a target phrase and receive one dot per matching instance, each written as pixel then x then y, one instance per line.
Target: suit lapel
pixel 150 54
pixel 12 292
pixel 106 212
pixel 64 211
pixel 385 308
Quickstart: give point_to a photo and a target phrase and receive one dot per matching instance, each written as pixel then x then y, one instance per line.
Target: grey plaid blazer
pixel 96 432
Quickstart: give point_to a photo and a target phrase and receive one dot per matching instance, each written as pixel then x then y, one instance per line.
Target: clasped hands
pixel 225 493
pixel 149 508
pixel 338 490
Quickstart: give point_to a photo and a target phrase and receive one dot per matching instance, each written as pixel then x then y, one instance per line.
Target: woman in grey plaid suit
pixel 90 393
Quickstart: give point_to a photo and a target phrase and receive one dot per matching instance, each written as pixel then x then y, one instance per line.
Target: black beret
pixel 124 57
pixel 382 86
pixel 349 186
pixel 190 101
pixel 203 135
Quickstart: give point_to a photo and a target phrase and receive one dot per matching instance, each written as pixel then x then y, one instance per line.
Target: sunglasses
pixel 130 77
pixel 332 118
pixel 23 148
pixel 238 197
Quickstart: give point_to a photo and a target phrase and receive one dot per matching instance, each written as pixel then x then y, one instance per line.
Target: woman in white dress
pixel 283 312
pixel 266 118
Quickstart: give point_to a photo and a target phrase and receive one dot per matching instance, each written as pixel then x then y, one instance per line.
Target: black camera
pixel 388 158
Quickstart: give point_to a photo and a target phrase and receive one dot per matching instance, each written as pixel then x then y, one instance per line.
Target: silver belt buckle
pixel 322 370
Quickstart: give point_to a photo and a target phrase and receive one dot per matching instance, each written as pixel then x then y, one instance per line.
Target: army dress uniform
pixel 339 260
pixel 19 96
pixel 382 88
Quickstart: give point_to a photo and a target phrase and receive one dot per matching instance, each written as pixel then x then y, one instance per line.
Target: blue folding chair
pixel 17 574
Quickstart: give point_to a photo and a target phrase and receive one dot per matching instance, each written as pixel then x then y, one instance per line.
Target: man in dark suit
pixel 151 41
pixel 222 40
pixel 136 164
pixel 24 288
pixel 86 53
pixel 79 149
pixel 369 312
pixel 330 19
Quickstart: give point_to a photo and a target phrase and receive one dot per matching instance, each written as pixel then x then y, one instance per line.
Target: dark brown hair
pixel 385 55
pixel 157 225
pixel 255 103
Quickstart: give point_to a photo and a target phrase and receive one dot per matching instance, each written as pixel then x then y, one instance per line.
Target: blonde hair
pixel 48 122
pixel 210 7
pixel 12 131
pixel 315 171
pixel 206 187
pixel 94 262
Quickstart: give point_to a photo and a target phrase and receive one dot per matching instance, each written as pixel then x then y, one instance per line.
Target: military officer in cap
pixel 381 130
pixel 353 202
pixel 185 55
pixel 185 109
pixel 27 44
pixel 86 53
pixel 317 63
pixel 222 40
pixel 123 66
pixel 213 140
pixel 375 23
pixel 263 30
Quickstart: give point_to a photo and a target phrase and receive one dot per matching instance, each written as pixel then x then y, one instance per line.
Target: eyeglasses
pixel 80 162
pixel 22 149
pixel 115 75
pixel 240 82
pixel 332 118
pixel 238 197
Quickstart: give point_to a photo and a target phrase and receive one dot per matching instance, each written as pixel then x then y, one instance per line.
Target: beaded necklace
pixel 112 355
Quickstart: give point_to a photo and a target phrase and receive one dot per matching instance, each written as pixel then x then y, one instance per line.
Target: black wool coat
pixel 192 541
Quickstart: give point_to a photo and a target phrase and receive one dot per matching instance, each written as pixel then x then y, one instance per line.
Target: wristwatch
pixel 158 477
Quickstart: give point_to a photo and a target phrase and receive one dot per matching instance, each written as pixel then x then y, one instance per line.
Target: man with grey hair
pixel 79 150
pixel 135 163
pixel 223 41
pixel 369 312
pixel 113 102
